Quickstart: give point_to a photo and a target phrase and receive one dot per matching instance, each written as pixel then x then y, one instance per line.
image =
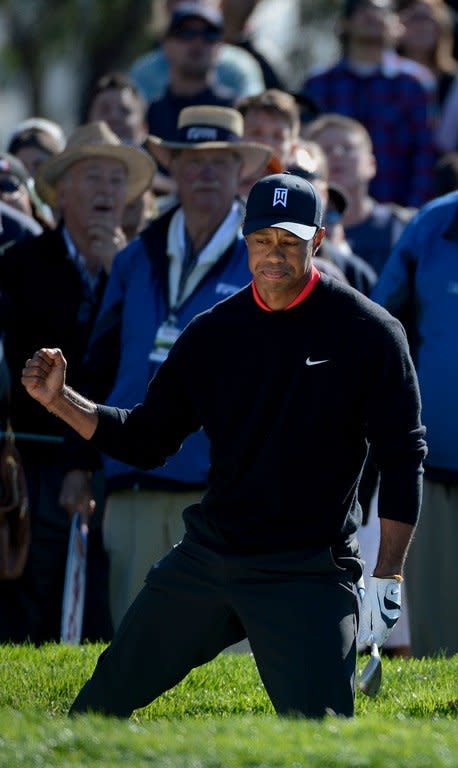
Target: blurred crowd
pixel 114 237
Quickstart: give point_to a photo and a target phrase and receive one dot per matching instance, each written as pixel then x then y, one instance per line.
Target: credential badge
pixel 280 196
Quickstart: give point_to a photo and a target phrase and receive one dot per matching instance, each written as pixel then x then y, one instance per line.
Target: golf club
pixel 371 676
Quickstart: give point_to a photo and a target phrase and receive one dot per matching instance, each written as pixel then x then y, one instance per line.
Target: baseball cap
pixel 194 10
pixel 286 201
pixel 37 132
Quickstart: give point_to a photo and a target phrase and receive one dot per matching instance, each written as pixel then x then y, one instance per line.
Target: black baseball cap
pixel 285 201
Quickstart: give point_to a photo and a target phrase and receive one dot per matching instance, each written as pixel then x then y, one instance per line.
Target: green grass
pixel 220 717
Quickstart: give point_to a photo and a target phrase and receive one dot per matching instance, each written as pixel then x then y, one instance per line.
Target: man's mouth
pixel 273 273
pixel 102 208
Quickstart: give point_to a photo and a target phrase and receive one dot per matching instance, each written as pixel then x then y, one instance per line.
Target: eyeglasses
pixel 208 34
pixel 9 186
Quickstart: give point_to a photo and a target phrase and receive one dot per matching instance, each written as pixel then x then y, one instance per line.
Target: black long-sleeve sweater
pixel 289 400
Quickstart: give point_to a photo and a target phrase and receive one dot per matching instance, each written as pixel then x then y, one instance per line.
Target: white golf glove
pixel 380 610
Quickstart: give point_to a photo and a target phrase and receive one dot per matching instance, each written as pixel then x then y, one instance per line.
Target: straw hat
pixel 96 140
pixel 208 127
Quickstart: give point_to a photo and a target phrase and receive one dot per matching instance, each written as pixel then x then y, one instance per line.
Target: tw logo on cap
pixel 280 196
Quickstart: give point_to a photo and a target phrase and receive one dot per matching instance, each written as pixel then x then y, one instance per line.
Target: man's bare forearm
pixel 78 412
pixel 395 538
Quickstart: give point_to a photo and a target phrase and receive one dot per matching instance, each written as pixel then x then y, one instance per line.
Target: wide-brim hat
pixel 206 127
pixel 96 140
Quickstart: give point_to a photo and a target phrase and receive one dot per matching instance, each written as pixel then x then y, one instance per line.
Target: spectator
pixel 272 118
pixel 190 44
pixel 183 262
pixel 311 163
pixel 14 226
pixel 236 70
pixel 419 284
pixel 116 100
pixel 34 141
pixel 13 184
pixel 371 228
pixel 427 38
pixel 374 85
pixel 89 182
pixel 17 189
pixel 237 31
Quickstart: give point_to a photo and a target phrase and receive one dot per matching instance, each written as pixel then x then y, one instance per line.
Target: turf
pixel 220 717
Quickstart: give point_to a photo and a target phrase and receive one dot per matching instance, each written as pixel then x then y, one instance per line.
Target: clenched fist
pixel 44 375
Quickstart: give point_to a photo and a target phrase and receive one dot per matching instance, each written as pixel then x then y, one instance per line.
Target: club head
pixel 371 676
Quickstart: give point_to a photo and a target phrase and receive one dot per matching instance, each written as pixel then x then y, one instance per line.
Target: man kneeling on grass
pixel 290 378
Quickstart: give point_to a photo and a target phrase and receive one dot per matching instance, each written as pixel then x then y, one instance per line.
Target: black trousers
pixel 300 615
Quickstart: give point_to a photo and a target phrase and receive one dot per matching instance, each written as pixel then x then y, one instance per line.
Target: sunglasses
pixel 9 186
pixel 186 33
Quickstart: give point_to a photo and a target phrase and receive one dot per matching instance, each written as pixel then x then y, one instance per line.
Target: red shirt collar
pixel 306 291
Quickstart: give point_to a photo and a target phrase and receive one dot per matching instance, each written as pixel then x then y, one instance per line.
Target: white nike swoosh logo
pixel 315 362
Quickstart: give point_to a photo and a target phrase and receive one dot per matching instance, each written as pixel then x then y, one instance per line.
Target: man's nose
pixel 208 171
pixel 276 253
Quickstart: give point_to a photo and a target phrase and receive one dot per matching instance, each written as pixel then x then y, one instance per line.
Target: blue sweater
pixel 419 284
pixel 118 365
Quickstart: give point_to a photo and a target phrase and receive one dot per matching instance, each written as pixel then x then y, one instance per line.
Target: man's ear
pixel 319 234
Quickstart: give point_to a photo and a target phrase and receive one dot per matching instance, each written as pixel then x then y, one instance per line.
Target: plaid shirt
pixel 396 110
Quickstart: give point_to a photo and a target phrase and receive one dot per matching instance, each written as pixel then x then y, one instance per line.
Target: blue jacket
pixel 135 305
pixel 419 284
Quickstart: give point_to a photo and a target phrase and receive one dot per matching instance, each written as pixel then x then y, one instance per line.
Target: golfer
pixel 290 378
